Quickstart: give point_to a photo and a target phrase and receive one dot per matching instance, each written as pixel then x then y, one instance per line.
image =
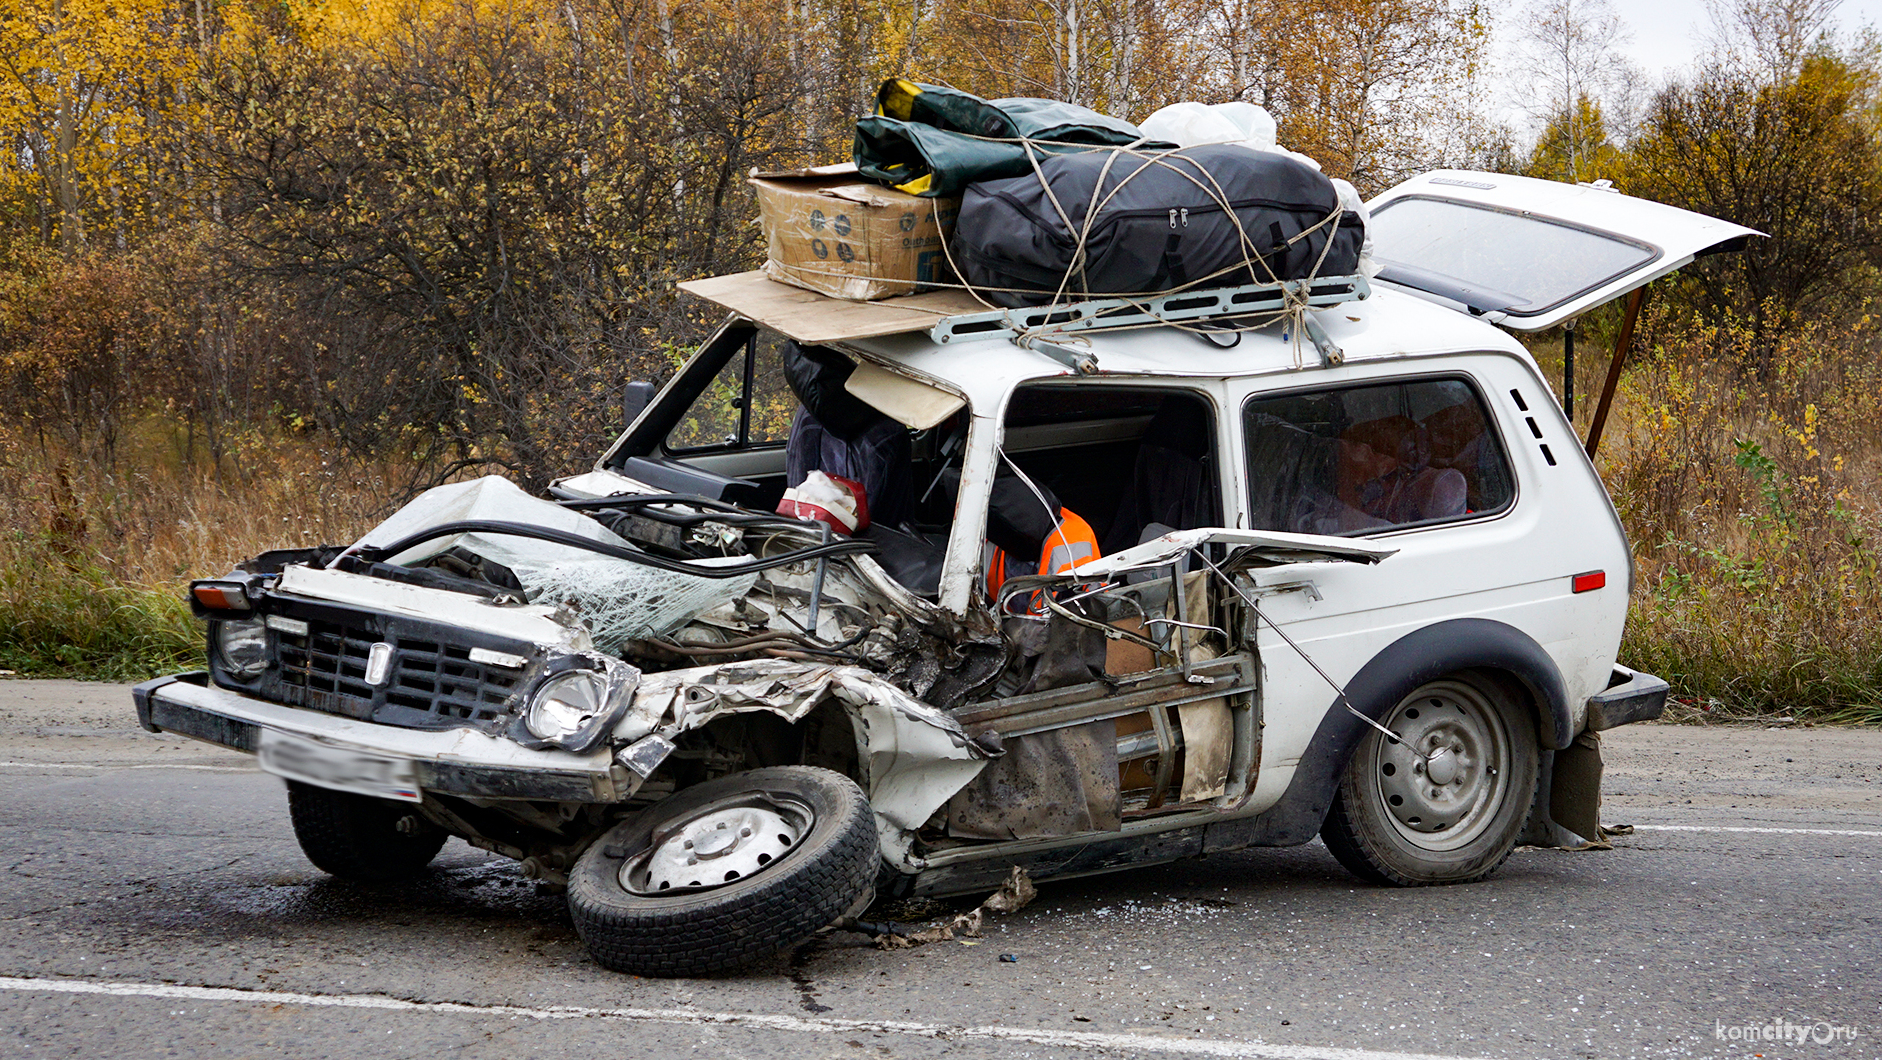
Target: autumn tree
pixel 453 227
pixel 1798 159
pixel 82 86
pixel 1376 90
pixel 1769 39
pixel 1574 146
pixel 1568 64
pixel 1122 57
pixel 489 206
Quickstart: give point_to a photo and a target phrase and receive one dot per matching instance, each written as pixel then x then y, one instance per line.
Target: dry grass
pixel 1746 480
pixel 1749 497
pixel 93 559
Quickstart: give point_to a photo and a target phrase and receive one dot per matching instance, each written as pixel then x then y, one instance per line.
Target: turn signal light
pixel 1594 579
pixel 220 596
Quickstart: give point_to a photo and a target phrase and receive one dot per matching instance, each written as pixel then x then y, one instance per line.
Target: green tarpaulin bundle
pixel 934 141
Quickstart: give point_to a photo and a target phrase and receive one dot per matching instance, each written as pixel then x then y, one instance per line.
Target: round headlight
pixel 242 644
pixel 565 703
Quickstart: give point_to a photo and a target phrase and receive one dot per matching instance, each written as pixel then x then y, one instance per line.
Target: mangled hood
pixel 617 600
pixel 607 613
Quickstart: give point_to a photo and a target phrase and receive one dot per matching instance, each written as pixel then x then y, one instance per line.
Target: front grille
pixel 441 679
pixel 326 669
pixel 431 683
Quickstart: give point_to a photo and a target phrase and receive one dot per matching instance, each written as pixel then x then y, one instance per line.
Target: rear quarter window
pixel 1360 459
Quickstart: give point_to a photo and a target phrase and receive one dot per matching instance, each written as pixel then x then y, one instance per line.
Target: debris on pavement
pixel 1015 894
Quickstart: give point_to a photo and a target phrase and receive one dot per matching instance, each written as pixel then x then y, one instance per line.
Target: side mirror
pixel 635 397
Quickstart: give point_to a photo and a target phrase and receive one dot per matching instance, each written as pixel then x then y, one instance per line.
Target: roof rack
pixel 951 315
pixel 1182 306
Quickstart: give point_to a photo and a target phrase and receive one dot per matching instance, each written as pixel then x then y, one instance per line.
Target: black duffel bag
pixel 1164 229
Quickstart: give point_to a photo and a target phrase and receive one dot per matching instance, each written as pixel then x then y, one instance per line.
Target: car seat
pixel 1173 477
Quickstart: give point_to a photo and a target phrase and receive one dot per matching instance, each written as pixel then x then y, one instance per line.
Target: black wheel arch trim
pixel 1418 657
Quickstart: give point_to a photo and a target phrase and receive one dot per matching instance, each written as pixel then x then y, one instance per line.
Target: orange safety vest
pixel 1073 543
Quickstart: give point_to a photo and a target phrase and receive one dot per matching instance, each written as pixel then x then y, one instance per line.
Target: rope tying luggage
pixel 1294 297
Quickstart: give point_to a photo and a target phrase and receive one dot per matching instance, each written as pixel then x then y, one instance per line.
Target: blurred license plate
pixel 341 770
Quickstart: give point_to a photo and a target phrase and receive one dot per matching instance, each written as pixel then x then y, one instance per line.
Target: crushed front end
pixel 529 675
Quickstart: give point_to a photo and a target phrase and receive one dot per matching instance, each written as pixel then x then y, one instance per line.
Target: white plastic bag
pixel 1193 124
pixel 1190 124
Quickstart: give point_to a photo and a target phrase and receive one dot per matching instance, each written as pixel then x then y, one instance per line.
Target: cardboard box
pixel 830 231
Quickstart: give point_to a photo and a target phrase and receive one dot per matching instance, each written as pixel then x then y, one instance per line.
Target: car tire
pixel 357 837
pixel 753 891
pixel 1449 811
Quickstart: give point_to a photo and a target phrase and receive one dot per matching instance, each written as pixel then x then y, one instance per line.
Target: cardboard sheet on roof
pixel 828 230
pixel 818 319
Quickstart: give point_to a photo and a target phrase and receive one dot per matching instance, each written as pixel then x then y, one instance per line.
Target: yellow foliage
pixel 1574 147
pixel 1798 159
pixel 80 81
pixel 371 23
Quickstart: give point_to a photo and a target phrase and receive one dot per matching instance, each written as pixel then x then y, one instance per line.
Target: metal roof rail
pixel 1181 307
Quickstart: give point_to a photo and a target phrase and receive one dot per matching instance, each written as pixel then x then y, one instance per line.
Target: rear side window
pixel 1365 458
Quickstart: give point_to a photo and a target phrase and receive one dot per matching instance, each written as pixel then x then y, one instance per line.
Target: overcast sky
pixel 1665 39
pixel 1668 34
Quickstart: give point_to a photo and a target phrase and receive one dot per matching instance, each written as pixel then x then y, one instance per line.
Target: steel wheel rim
pixel 1446 802
pixel 724 842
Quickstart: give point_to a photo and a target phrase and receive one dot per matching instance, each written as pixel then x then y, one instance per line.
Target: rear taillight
pixel 1594 579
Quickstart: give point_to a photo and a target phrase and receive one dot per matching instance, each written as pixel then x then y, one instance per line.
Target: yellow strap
pixel 917 186
pixel 898 98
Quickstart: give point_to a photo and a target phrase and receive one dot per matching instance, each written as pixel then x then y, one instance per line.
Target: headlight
pixel 242 645
pixel 577 703
pixel 566 703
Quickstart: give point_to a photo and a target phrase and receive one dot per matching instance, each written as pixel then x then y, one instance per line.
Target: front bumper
pixel 1631 696
pixel 459 761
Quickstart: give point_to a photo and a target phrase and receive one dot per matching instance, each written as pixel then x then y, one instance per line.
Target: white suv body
pixel 1399 622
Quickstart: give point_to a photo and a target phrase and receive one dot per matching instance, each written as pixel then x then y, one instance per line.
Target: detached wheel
pixel 357 837
pixel 726 872
pixel 1447 805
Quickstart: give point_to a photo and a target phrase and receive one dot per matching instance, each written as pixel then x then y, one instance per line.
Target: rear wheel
pixel 726 872
pixel 358 837
pixel 1448 803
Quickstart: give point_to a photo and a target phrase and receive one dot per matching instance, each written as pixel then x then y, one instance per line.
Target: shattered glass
pixel 623 601
pixel 618 599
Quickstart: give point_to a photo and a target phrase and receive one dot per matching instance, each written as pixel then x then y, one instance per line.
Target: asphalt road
pixel 154 904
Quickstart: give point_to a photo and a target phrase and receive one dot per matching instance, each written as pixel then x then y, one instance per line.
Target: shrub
pixel 1756 587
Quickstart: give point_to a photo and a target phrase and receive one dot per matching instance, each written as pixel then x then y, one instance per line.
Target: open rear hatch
pixel 1527 253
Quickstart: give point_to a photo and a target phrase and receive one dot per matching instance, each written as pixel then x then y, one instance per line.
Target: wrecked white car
pixel 1355 578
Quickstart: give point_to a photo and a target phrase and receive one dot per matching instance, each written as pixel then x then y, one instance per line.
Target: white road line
pixel 1131 1044
pixel 151 765
pixel 1755 831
